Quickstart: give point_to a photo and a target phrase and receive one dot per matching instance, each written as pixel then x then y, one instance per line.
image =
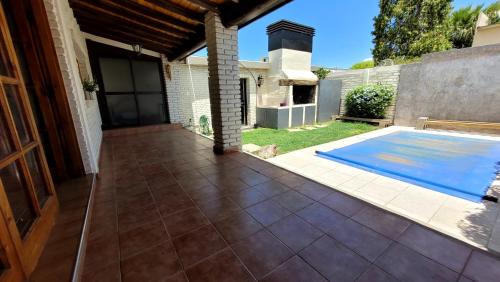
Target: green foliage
pixel 89 86
pixel 492 12
pixel 369 101
pixel 407 28
pixel 463 24
pixel 363 65
pixel 287 141
pixel 205 125
pixel 321 73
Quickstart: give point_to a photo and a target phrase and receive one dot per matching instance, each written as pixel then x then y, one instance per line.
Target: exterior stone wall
pixel 452 85
pixel 70 46
pixel 351 78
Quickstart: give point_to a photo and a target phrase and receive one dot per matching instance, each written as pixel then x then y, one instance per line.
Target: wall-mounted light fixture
pixel 260 80
pixel 137 48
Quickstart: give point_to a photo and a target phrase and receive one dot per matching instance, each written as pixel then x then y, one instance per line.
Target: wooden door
pixel 28 204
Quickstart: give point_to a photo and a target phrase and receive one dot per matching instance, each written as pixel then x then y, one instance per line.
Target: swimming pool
pixel 458 166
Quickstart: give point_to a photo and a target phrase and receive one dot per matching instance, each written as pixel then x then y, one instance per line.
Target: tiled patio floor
pixel 167 209
pixel 475 223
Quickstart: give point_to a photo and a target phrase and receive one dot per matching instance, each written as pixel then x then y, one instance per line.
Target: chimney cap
pixel 291 26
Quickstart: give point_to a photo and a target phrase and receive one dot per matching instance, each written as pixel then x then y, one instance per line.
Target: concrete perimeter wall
pixel 452 85
pixel 351 78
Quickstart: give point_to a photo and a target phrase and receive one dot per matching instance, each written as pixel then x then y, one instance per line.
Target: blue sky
pixel 343 29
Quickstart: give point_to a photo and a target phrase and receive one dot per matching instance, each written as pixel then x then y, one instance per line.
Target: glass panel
pixel 6 145
pixel 41 189
pixel 122 109
pixel 146 76
pixel 4 60
pixel 12 93
pixel 151 108
pixel 17 194
pixel 116 75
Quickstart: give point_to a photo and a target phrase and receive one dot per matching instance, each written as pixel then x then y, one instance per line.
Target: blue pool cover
pixel 457 166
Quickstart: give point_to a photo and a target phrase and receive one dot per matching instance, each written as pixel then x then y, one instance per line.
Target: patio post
pixel 224 83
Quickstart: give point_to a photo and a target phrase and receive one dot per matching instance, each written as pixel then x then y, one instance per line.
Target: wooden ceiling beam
pixel 205 5
pixel 119 7
pixel 127 40
pixel 170 9
pixel 88 18
pixel 136 39
pixel 100 12
pixel 248 11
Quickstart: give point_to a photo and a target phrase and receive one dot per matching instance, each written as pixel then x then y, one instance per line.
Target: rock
pixel 267 152
pixel 250 148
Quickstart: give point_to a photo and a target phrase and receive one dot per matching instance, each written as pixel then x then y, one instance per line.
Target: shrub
pixel 321 73
pixel 205 125
pixel 369 101
pixel 363 65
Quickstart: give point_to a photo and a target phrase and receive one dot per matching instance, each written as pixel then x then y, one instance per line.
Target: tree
pixel 463 24
pixel 363 65
pixel 410 28
pixel 492 12
pixel 321 73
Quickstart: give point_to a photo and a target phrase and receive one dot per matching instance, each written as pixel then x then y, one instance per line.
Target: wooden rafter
pixel 171 10
pixel 98 10
pixel 205 5
pixel 169 23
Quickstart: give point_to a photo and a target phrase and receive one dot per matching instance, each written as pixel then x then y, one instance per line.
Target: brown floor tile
pixel 261 253
pixel 314 190
pixel 109 273
pixel 153 264
pixel 101 253
pixel 229 184
pixel 482 267
pixel 383 222
pixel 223 267
pixel 169 205
pixel 206 193
pixel 291 180
pixel 343 204
pixel 237 227
pixel 295 232
pixel 184 221
pixel 134 218
pixel 271 188
pixel 295 269
pixel 293 201
pixel 321 217
pixel 408 265
pixel 178 277
pixel 254 178
pixel 446 251
pixel 247 197
pixel 360 239
pixel 267 212
pixel 375 274
pixel 198 245
pixel 149 170
pixel 135 202
pixel 142 237
pixel 333 260
pixel 219 209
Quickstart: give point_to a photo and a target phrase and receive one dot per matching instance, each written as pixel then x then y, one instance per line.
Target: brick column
pixel 224 84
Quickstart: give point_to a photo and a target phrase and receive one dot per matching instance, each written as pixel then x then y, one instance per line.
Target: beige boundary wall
pixel 388 75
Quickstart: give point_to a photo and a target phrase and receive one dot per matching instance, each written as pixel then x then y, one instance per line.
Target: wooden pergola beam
pixel 78 4
pixel 205 5
pixel 167 8
pixel 171 24
pixel 89 19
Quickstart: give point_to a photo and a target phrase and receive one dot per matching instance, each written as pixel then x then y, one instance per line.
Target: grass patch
pixel 290 141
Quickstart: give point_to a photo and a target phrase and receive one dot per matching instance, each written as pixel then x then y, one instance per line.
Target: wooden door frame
pixel 30 246
pixel 31 17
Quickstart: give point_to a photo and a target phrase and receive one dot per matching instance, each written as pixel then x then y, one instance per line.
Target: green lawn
pixel 290 141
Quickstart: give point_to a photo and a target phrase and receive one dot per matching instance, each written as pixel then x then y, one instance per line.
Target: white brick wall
pixel 67 38
pixel 186 106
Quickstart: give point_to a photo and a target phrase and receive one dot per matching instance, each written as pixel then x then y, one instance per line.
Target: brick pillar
pixel 224 84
